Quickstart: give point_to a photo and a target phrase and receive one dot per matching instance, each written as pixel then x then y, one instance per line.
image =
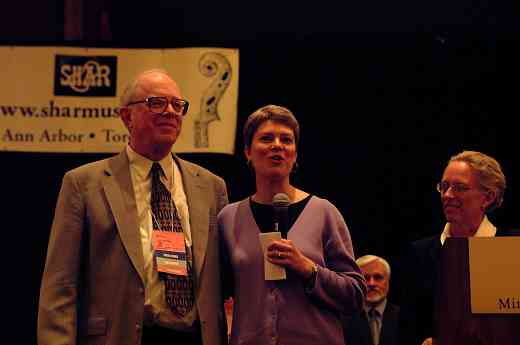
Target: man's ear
pixel 126 116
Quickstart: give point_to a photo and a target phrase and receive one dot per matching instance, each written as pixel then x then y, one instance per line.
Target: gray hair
pixel 365 260
pixel 489 174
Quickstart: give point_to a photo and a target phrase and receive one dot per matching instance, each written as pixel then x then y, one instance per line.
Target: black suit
pixel 420 279
pixel 357 329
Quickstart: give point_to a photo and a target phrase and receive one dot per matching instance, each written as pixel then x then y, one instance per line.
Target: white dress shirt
pixel 486 229
pixel 156 309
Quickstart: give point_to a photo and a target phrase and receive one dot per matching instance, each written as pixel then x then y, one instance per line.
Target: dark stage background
pixel 385 94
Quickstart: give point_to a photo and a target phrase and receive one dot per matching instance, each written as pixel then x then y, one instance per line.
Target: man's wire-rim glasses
pixel 158 105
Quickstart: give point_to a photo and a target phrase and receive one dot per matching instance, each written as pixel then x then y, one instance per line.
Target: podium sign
pixel 493 267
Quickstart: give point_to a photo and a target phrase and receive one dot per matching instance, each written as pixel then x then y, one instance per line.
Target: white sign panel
pixel 64 99
pixel 494 285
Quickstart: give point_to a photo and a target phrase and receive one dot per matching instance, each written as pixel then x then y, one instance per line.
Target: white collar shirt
pixel 155 301
pixel 485 229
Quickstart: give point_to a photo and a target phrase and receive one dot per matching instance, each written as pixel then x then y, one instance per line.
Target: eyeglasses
pixel 442 187
pixel 158 105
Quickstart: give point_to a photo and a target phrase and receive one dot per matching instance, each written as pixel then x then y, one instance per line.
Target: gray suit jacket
pixel 92 289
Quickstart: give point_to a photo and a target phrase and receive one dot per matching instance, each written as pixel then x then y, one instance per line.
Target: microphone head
pixel 281 200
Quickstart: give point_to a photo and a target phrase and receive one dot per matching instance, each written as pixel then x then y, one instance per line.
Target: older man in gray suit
pixel 114 274
pixel 377 323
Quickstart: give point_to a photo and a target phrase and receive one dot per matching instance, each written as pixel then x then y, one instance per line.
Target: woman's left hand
pixel 284 253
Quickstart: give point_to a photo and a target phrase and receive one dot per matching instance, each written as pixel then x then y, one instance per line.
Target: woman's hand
pixel 284 253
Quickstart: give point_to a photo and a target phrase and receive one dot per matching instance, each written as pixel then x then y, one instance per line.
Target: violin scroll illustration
pixel 216 66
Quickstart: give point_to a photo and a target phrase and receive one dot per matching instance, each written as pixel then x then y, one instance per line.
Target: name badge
pixel 170 252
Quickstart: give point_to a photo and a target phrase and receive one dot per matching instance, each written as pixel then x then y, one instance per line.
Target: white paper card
pixel 271 271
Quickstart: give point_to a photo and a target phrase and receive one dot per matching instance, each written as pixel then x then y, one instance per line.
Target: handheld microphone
pixel 281 213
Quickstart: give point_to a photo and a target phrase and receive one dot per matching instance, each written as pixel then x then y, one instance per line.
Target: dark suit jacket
pixel 420 278
pixel 92 289
pixel 357 329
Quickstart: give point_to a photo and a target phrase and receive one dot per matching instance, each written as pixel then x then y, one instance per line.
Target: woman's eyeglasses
pixel 442 187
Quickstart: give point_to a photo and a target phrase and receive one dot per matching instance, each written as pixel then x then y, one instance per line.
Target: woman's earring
pixel 249 165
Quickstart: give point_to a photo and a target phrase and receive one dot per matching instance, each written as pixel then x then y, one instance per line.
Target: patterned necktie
pixel 178 289
pixel 373 320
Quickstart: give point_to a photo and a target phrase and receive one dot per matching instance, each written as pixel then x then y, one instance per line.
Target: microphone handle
pixel 282 219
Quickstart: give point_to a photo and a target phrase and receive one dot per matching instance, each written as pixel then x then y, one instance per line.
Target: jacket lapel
pixel 389 325
pixel 117 185
pixel 366 334
pixel 196 195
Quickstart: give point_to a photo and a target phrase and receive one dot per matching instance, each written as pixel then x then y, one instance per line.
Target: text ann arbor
pixel 61 136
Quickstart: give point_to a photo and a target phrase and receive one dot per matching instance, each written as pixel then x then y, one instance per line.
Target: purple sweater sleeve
pixel 339 283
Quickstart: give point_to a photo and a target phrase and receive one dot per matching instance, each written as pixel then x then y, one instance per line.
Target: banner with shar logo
pixel 64 99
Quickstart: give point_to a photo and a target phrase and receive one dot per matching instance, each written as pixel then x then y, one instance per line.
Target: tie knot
pixel 156 169
pixel 373 313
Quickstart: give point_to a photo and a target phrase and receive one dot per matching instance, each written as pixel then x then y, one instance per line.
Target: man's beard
pixel 375 298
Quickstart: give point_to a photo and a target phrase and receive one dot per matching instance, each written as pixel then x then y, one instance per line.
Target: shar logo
pixel 87 76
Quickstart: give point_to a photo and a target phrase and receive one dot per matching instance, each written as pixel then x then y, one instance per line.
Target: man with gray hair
pixel 133 256
pixel 377 324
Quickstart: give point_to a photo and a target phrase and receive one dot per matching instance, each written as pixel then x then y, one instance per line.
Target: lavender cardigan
pixel 283 312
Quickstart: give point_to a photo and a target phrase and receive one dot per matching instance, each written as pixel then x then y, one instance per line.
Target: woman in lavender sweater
pixel 322 278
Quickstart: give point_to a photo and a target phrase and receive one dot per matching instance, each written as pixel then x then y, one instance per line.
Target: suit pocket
pixel 97 326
